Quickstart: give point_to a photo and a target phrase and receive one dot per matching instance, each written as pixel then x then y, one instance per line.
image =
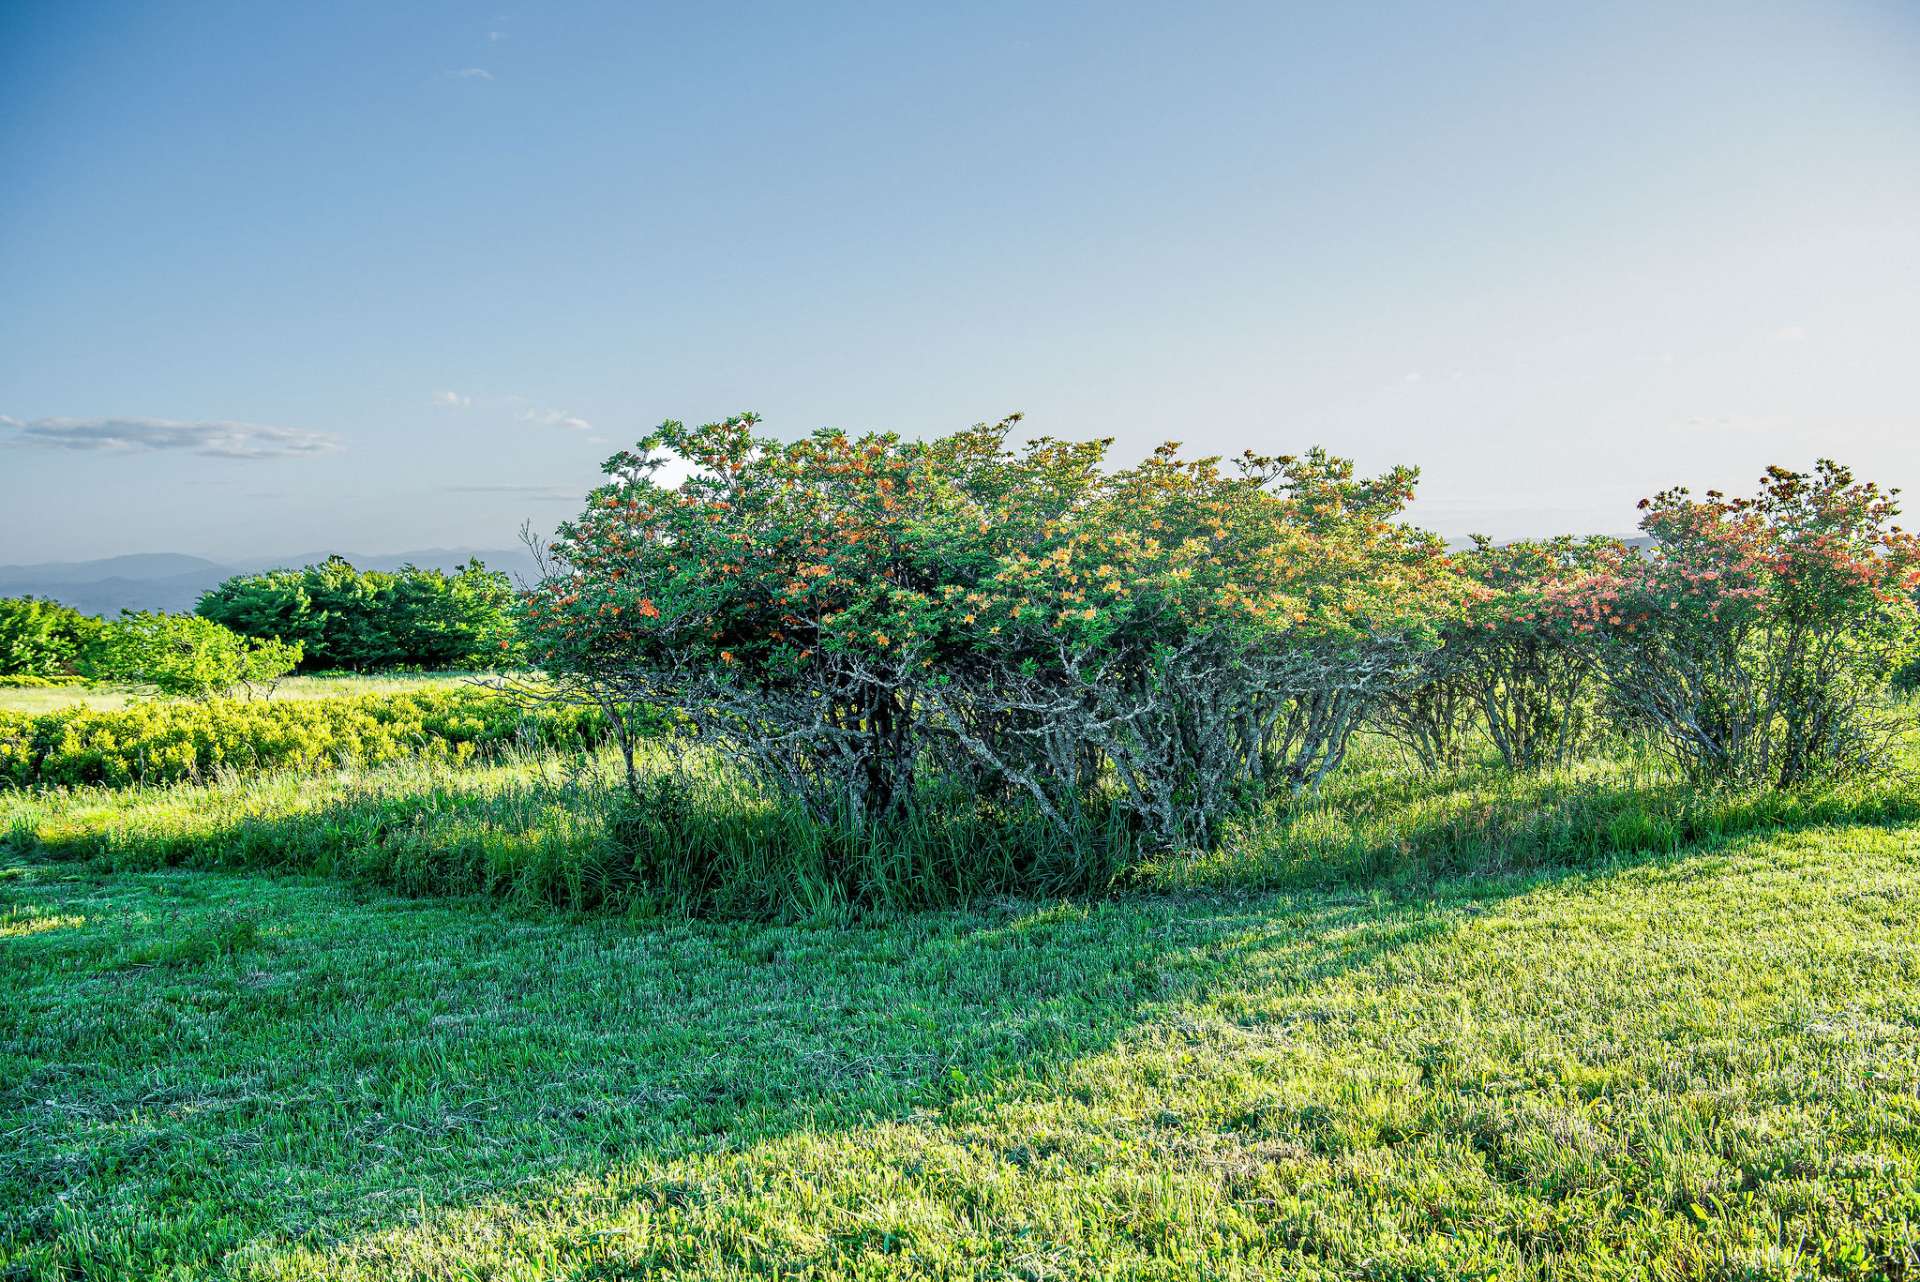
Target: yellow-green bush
pixel 161 742
pixel 28 681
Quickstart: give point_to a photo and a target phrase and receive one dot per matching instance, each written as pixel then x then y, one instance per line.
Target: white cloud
pixel 124 435
pixel 1790 333
pixel 556 418
pixel 453 400
pixel 471 73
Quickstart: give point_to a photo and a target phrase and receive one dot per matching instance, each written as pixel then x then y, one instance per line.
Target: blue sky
pixel 369 276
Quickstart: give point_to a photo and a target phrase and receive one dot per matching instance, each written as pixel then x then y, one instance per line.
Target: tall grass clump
pixel 528 825
pixel 713 841
pixel 1379 826
pixel 535 825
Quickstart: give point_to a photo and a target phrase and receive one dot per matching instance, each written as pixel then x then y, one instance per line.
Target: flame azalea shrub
pixel 867 623
pixel 1510 666
pixel 1203 634
pixel 1757 639
pixel 789 599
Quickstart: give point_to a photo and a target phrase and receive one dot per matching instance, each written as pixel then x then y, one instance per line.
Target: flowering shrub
pixel 853 619
pixel 1757 639
pixel 163 742
pixel 788 597
pixel 1510 666
pixel 1201 634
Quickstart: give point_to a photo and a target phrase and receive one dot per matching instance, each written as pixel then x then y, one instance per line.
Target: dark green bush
pixel 362 620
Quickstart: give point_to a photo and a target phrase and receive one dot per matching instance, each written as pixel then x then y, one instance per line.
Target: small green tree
pixel 185 655
pixel 42 638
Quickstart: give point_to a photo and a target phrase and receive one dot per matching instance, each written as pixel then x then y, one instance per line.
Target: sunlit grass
pixel 318 686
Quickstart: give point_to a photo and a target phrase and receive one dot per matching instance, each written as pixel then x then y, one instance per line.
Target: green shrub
pixel 1757 640
pixel 27 681
pixel 183 654
pixel 41 638
pixel 1508 668
pixel 863 623
pixel 362 620
pixel 159 742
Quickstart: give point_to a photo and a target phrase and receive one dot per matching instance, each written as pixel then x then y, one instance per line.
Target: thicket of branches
pixel 865 624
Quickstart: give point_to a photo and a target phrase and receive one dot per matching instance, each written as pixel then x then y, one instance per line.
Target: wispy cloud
pixel 209 439
pixel 471 73
pixel 530 411
pixel 556 418
pixel 570 493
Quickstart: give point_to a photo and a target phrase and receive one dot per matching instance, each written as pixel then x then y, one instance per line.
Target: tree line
pixel 254 628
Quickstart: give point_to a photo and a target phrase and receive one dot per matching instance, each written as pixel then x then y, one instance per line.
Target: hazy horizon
pixel 381 278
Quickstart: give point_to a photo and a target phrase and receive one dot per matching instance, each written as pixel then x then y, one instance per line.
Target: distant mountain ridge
pixel 176 581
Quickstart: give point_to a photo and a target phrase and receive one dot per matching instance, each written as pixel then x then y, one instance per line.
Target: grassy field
pixel 423 1021
pixel 324 686
pixel 1701 1065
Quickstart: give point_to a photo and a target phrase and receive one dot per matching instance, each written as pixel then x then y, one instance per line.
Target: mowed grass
pixel 1699 1064
pixel 318 686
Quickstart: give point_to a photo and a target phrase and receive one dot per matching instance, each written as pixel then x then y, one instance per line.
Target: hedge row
pixel 163 742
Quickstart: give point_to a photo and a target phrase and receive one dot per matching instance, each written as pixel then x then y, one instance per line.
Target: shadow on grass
pixel 183 1087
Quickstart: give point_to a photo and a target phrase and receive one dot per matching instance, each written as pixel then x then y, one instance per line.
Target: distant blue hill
pixel 138 566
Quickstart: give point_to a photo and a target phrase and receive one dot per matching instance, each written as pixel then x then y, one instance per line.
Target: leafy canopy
pixel 42 638
pixel 362 620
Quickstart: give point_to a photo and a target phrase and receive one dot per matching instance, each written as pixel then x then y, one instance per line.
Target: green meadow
pixel 417 1022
